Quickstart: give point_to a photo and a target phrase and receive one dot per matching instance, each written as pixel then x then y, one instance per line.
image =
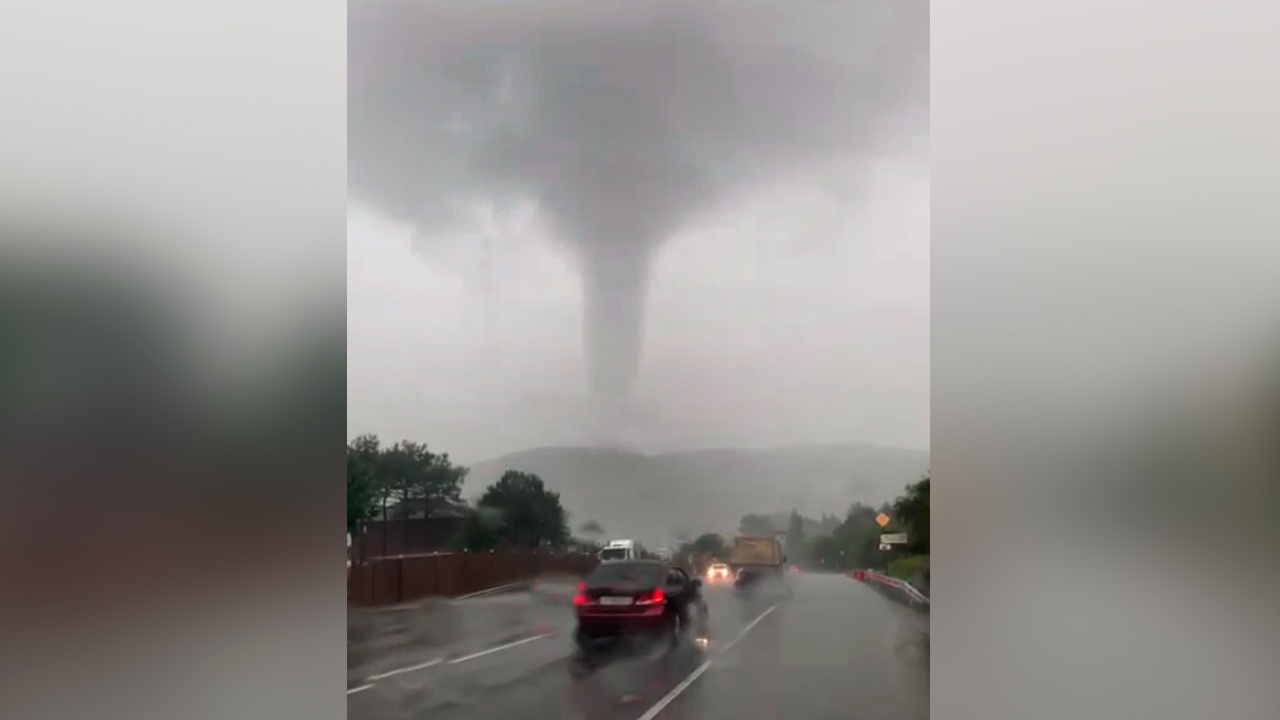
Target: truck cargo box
pixel 756 550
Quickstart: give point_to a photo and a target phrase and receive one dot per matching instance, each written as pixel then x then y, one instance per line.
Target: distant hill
pixel 655 498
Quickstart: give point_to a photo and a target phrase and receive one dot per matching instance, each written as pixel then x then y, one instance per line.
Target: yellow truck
pixel 756 557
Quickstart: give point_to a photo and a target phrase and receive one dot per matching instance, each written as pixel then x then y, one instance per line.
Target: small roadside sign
pixel 885 546
pixel 881 519
pixel 893 538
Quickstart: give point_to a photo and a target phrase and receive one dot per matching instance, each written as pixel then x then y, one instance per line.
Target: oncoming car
pixel 719 572
pixel 642 598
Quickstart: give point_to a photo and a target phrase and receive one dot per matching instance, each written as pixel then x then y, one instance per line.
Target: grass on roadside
pixel 912 568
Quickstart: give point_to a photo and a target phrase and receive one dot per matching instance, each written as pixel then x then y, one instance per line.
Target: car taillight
pixel 657 597
pixel 581 597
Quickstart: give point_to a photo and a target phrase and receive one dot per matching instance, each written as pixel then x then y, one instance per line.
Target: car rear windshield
pixel 613 554
pixel 626 574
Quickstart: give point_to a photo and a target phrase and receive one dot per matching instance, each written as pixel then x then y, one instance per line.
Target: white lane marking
pixel 403 670
pixel 369 681
pixel 659 706
pixel 473 656
pixel 748 628
pixel 667 699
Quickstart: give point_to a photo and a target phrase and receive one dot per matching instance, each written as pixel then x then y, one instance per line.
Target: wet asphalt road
pixel 831 648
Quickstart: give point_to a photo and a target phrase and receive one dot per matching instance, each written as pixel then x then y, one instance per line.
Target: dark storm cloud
pixel 621 120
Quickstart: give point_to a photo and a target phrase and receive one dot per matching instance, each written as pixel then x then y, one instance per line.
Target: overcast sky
pixel 788 317
pixel 748 186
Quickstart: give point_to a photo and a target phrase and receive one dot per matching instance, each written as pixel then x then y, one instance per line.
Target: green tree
pixel 362 494
pixel 753 524
pixel 825 552
pixel 911 511
pixel 420 481
pixel 828 524
pixel 367 450
pixel 796 543
pixel 365 447
pixel 591 533
pixel 853 543
pixel 860 536
pixel 481 530
pixel 710 545
pixel 531 514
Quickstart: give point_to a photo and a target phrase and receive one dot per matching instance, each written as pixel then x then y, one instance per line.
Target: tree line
pixel 838 544
pixel 407 480
pixel 856 541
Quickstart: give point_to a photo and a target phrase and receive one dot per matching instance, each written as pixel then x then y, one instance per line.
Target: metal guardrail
pixel 897 590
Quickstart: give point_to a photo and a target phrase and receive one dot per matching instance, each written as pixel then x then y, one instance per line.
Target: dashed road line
pixel 667 699
pixel 482 653
pixel 403 670
pixel 373 679
pixel 659 706
pixel 748 628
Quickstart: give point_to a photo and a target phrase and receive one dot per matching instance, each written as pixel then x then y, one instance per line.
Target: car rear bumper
pixel 596 626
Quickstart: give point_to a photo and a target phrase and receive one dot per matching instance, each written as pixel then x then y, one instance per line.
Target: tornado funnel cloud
pixel 623 121
pixel 614 291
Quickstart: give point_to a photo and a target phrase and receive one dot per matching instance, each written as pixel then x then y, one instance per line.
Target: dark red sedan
pixel 645 598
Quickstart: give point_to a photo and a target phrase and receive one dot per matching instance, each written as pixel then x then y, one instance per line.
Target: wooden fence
pixel 391 581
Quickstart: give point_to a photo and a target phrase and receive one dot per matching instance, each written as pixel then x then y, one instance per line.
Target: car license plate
pixel 615 601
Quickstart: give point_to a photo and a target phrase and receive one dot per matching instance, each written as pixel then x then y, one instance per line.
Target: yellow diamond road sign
pixel 882 519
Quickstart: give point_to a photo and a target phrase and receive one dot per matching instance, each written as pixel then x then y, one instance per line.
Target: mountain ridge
pixel 627 450
pixel 658 497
